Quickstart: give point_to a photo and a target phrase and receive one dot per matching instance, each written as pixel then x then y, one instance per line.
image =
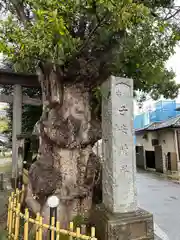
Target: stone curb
pixel 162 175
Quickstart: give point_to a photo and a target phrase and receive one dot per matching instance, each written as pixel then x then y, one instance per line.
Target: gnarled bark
pixel 66 165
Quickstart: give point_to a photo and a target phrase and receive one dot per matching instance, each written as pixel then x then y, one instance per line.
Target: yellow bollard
pixel 14 213
pixel 12 195
pixel 22 194
pixel 71 229
pixel 52 225
pixel 37 226
pixel 93 233
pixel 40 228
pixel 10 219
pixel 17 221
pixel 58 231
pixel 78 232
pixel 26 225
pixel 17 195
pixel 9 207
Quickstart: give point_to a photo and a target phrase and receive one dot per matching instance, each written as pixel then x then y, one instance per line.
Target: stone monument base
pixel 126 226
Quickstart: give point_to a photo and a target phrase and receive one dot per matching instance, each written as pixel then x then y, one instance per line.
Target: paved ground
pixel 162 198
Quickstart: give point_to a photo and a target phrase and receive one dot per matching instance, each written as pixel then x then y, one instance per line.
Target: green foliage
pixel 50 37
pixel 145 52
pixel 91 39
pixel 31 114
pixel 4 126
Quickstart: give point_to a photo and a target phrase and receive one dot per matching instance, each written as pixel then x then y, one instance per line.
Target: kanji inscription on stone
pixel 119 192
pixel 122 89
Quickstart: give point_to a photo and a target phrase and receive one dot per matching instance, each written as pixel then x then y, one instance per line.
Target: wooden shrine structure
pixel 18 81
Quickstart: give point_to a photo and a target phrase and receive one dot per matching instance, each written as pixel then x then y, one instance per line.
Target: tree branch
pixel 92 33
pixel 172 15
pixel 82 27
pixel 18 7
pixel 91 68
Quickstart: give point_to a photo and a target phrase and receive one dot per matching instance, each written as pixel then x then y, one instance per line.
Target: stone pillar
pixel 119 218
pixel 118 146
pixel 16 128
pixel 20 161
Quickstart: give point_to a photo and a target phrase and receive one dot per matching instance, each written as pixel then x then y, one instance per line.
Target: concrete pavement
pixel 162 198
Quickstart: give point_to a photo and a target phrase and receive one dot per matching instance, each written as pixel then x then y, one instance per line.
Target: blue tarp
pixel 138 121
pixel 165 105
pixel 163 111
pixel 163 115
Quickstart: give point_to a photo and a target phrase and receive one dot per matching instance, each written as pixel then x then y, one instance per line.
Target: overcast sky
pixel 174 63
pixel 174 60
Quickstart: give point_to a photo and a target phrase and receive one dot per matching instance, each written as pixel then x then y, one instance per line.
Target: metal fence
pixel 18 224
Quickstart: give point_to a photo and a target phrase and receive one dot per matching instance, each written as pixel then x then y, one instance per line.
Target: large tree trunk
pixel 66 165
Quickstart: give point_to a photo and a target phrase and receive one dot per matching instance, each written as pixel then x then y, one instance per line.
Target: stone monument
pixel 119 218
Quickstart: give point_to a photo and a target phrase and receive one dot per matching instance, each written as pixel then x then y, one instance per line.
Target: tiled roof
pixel 145 128
pixel 171 122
